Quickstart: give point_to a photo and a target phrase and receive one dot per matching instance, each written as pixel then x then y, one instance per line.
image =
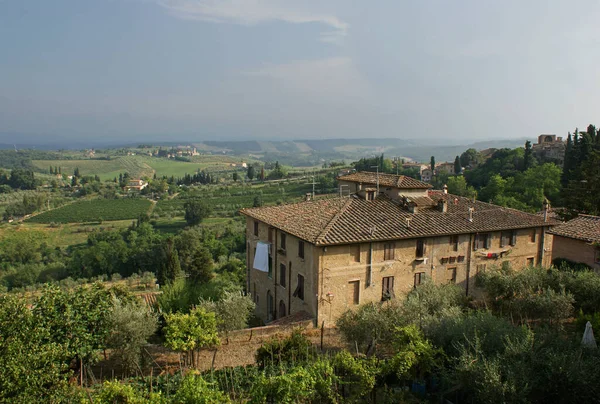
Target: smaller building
pixel 426 175
pixel 550 148
pixel 445 167
pixel 136 185
pixel 578 240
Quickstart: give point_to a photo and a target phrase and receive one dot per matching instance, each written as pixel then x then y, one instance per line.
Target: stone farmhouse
pixel 578 240
pixel 324 256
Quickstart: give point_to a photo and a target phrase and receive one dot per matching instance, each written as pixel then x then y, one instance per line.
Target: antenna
pixel 377 167
pixel 313 184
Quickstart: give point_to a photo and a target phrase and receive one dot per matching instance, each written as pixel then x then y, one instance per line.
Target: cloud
pixel 252 12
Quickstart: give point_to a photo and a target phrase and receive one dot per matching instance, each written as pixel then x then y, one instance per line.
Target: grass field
pixel 140 166
pixel 64 235
pixel 94 211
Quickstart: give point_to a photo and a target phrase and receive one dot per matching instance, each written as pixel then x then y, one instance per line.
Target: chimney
pixel 408 222
pixel 443 205
pixel 445 188
pixel 308 196
pixel 412 207
pixel 471 210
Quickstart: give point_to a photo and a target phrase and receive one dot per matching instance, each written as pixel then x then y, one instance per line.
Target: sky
pixel 297 69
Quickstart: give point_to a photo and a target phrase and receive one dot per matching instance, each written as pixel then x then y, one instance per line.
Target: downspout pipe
pixel 370 271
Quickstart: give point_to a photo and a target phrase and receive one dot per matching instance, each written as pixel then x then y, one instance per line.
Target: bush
pixel 195 390
pixel 294 349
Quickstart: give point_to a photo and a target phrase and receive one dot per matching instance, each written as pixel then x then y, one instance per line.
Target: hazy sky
pixel 224 69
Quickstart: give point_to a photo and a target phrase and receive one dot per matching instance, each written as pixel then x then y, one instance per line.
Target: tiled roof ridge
pixel 331 223
pixel 588 216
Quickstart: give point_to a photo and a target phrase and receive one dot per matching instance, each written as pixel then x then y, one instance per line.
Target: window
pixel 301 249
pixel 356 252
pixel 256 228
pixel 419 278
pixel 270 273
pixel 482 240
pixel 354 292
pixel 370 195
pixel 454 242
pixel 387 288
pixel 282 240
pixel 530 262
pixel 421 248
pixel 479 268
pixel 282 272
pixel 533 235
pixel 299 292
pixel 597 256
pixel 388 251
pixel 508 237
pixel 451 274
pixel 271 231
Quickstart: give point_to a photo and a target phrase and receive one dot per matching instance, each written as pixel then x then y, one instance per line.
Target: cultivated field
pixel 94 211
pixel 140 166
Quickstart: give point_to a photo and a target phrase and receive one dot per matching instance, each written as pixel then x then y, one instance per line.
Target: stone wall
pixel 260 283
pixel 575 250
pixel 340 268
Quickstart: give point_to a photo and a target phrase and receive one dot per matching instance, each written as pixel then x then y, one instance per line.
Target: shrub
pixel 291 350
pixel 195 390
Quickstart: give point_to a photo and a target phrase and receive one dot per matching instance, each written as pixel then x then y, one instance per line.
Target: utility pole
pixel 313 185
pixel 396 161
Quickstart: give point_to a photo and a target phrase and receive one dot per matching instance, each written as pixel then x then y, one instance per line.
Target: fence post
pixel 322 332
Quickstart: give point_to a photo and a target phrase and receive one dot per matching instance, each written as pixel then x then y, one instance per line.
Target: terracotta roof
pixel 385 180
pixel 583 227
pixel 352 219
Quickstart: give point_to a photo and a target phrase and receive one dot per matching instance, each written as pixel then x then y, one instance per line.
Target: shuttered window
pixel 387 288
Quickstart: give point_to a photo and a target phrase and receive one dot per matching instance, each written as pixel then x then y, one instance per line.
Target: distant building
pixel 426 174
pixel 445 167
pixel 136 185
pixel 578 240
pixel 550 148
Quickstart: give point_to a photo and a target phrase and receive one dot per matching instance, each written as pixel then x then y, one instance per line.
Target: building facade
pixel 578 240
pixel 325 256
pixel 550 148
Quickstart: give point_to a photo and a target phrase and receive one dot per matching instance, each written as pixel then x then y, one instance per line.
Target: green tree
pixel 34 364
pixel 232 311
pixel 170 268
pixel 131 324
pixel 187 333
pixel 457 185
pixel 470 158
pixel 194 257
pixel 527 157
pixel 251 173
pixel 22 179
pixel 196 211
pixel 457 166
pixel 235 176
pixel 77 320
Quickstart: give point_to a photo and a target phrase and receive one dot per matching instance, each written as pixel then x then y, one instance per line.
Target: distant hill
pixel 301 152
